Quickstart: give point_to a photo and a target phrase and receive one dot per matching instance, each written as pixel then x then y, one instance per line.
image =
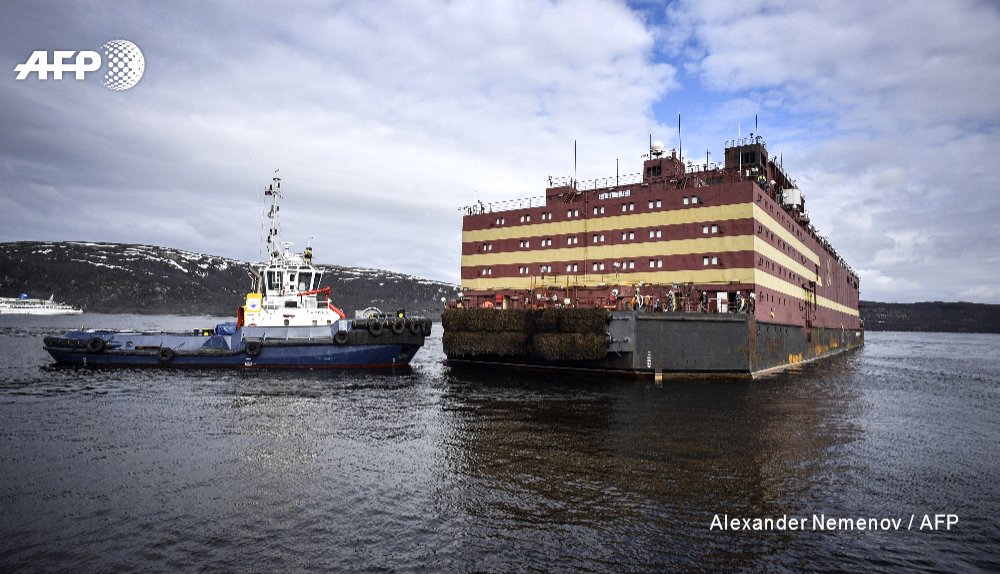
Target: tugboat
pixel 287 321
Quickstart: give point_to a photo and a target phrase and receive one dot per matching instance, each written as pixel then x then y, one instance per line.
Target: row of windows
pixel 596 238
pixel 778 270
pixel 599 266
pixel 769 235
pixel 599 210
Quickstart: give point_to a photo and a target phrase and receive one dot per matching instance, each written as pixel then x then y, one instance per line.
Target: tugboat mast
pixel 274 191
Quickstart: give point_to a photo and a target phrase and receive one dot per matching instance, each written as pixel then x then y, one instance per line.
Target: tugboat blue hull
pixel 313 357
pixel 336 347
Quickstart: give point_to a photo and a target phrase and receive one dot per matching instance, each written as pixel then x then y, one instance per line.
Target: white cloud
pixel 885 114
pixel 384 119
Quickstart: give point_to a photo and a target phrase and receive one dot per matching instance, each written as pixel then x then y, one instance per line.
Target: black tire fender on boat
pixel 340 338
pixel 165 355
pixel 96 345
pixel 398 325
pixel 253 348
pixel 415 327
pixel 374 327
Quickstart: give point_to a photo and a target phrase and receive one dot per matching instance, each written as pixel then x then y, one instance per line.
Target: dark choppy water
pixel 458 471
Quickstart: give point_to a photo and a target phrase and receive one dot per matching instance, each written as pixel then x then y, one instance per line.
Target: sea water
pixel 883 458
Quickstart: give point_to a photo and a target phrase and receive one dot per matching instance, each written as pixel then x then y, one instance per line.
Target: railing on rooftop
pixel 599 183
pixel 745 141
pixel 504 205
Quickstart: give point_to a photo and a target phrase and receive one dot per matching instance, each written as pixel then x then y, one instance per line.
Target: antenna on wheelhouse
pixel 274 191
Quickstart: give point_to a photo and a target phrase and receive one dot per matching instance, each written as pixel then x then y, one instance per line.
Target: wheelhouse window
pixel 274 280
pixel 305 281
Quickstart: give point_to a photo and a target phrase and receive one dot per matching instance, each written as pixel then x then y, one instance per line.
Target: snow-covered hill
pixel 121 278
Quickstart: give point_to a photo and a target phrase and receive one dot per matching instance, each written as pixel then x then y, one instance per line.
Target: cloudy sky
pixel 385 118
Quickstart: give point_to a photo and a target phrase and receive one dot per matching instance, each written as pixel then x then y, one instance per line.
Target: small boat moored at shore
pixel 25 305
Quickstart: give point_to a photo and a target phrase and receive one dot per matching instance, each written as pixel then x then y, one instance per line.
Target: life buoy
pixel 96 345
pixel 165 355
pixel 253 348
pixel 374 327
pixel 340 338
pixel 398 325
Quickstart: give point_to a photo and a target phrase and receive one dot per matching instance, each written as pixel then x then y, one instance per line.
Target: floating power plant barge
pixel 681 269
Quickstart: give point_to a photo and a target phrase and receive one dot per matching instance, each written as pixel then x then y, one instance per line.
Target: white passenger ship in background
pixel 25 305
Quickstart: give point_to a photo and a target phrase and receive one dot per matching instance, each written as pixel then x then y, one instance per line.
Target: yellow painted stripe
pixel 645 249
pixel 720 276
pixel 610 223
pixel 769 222
pixel 779 257
pixel 780 285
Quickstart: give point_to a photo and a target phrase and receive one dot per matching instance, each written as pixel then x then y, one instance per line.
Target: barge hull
pixel 685 344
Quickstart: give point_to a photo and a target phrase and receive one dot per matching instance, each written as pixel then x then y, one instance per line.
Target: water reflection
pixel 558 465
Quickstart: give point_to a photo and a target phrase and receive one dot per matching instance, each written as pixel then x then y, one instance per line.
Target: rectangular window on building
pixel 631 264
pixel 659 264
pixel 659 203
pixel 715 229
pixel 704 260
pixel 704 230
pixel 652 263
pixel 715 261
pixel 686 200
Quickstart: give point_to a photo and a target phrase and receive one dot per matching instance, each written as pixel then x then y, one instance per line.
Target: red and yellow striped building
pixel 733 237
